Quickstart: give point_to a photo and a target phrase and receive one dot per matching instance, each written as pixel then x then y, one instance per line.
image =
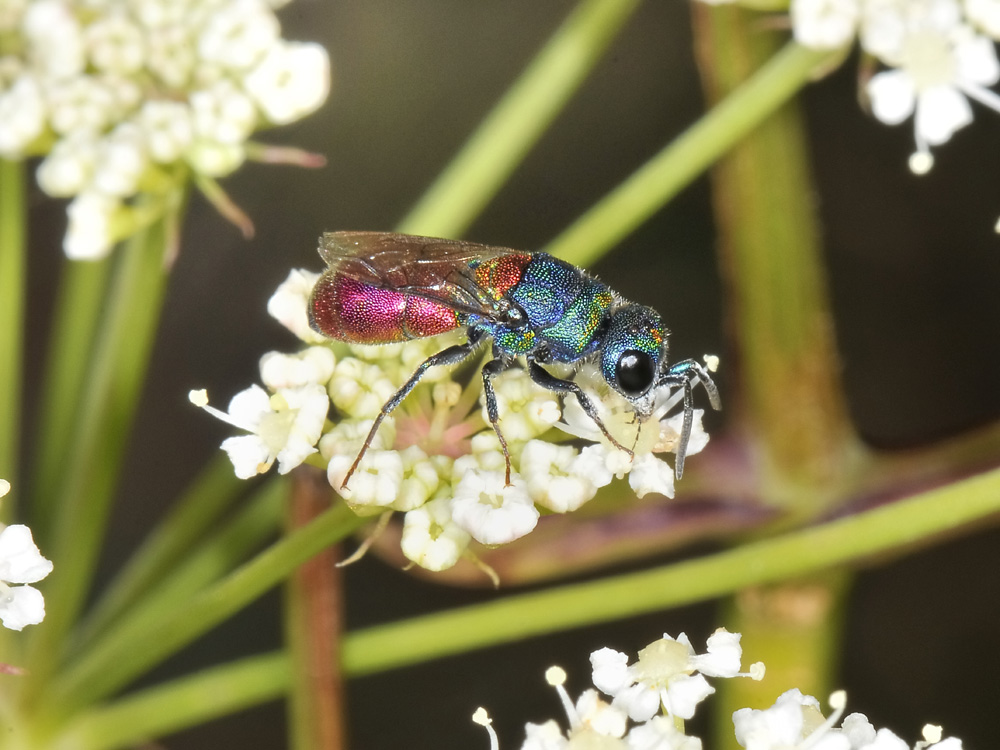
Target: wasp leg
pixel 490 370
pixel 546 379
pixel 450 356
pixel 683 374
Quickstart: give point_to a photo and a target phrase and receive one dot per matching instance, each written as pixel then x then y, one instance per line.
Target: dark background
pixel 914 269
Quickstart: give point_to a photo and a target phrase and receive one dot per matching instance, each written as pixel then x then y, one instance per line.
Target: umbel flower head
pixel 938 55
pixel 794 722
pixel 123 97
pixel 436 458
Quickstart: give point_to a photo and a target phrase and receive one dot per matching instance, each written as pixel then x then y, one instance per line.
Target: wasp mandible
pixel 382 288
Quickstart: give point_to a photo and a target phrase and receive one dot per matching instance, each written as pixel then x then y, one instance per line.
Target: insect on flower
pixel 381 288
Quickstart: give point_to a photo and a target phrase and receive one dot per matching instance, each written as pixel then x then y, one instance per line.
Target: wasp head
pixel 634 352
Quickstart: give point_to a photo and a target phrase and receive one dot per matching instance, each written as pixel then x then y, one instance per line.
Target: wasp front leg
pixel 683 374
pixel 547 380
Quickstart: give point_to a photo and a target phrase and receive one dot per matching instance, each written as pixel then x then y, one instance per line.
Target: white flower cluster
pixel 939 54
pixel 20 563
pixel 436 457
pixel 651 699
pixel 122 94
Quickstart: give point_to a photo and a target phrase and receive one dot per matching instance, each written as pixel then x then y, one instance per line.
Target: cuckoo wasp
pixel 381 288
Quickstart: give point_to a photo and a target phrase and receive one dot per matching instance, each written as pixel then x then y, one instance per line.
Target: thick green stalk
pixel 518 120
pixel 82 296
pixel 88 478
pixel 101 671
pixel 180 704
pixel 679 163
pixel 204 502
pixel 794 627
pixel 890 528
pixel 788 396
pixel 13 278
pixel 256 522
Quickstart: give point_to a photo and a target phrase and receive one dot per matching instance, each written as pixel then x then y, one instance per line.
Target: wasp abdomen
pixel 350 310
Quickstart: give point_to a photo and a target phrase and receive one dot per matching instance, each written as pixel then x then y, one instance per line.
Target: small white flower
pixel 80 105
pixel 89 235
pixel 223 113
pixel 284 427
pixel 121 161
pixel 69 167
pixel 313 365
pixel 170 55
pixel 291 81
pixel 215 159
pixel 168 127
pixel 794 721
pixel 825 24
pixel 4 487
pixel 937 62
pixel 665 674
pixel 660 733
pixel 115 43
pixel 288 304
pixel 238 34
pixel 55 40
pixel 559 477
pixel 376 483
pixel 491 512
pixel 22 116
pixel 431 538
pixel 20 563
pixel 420 479
pixel 359 389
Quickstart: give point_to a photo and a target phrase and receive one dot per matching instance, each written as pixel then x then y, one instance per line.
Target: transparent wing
pixel 435 269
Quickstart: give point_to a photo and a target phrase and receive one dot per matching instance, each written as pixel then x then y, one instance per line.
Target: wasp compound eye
pixel 634 372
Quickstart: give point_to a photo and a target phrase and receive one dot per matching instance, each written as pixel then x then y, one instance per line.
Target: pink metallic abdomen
pixel 349 310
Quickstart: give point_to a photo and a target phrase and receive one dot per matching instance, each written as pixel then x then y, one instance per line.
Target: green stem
pixel 794 627
pixel 87 480
pixel 786 371
pixel 83 294
pixel 180 704
pixel 894 527
pixel 210 495
pixel 518 120
pixel 13 277
pixel 257 521
pixel 673 168
pixel 103 670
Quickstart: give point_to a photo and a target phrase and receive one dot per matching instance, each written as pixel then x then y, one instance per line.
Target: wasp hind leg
pixel 683 374
pixel 450 356
pixel 546 379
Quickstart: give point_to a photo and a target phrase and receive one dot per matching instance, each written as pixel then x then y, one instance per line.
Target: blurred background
pixel 913 265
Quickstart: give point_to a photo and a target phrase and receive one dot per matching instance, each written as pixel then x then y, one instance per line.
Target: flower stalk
pixel 111 393
pixel 13 277
pixel 890 528
pixel 686 157
pixel 518 120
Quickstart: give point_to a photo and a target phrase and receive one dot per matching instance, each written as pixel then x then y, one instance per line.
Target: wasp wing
pixel 436 269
